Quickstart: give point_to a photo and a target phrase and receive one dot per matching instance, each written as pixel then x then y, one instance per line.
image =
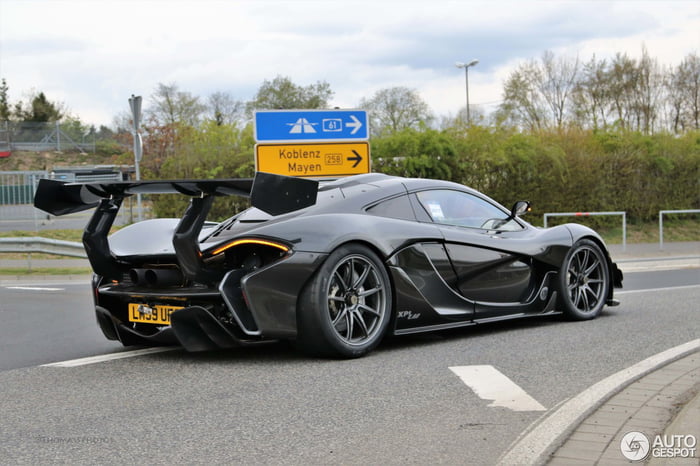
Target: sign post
pixel 135 104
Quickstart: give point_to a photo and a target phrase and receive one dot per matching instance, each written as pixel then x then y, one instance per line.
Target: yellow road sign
pixel 313 160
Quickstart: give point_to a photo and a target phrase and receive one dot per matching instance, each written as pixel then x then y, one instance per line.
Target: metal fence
pixel 17 188
pixel 661 221
pixel 34 136
pixel 43 245
pixel 17 195
pixel 590 214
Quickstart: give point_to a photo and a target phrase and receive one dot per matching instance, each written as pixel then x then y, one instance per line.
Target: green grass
pixel 31 256
pixel 675 230
pixel 65 235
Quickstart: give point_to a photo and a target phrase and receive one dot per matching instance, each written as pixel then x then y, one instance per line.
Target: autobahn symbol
pixel 302 125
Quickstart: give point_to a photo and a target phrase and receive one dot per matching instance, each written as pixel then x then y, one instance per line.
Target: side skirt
pixel 547 311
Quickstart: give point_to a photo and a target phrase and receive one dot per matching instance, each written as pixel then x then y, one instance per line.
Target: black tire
pixel 346 308
pixel 583 281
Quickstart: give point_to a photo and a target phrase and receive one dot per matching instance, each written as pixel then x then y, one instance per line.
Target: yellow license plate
pixel 144 314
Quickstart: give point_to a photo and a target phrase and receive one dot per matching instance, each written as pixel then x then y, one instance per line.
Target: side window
pixel 457 208
pixel 397 207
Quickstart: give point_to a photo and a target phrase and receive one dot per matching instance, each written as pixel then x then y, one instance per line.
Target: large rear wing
pixel 274 194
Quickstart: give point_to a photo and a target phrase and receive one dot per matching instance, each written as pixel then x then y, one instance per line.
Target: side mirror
pixel 520 208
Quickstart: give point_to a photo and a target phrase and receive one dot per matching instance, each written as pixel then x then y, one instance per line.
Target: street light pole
pixel 466 80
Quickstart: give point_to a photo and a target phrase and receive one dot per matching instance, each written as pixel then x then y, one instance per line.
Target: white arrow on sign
pixel 355 124
pixel 490 384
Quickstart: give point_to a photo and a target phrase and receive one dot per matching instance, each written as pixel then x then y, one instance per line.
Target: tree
pixel 635 89
pixel 413 153
pixel 209 151
pixel 395 109
pixel 74 129
pixel 282 93
pixel 522 106
pixel 537 95
pixel 683 89
pixel 649 88
pixel 591 97
pixel 170 106
pixel 40 110
pixel 558 82
pixel 623 86
pixel 4 103
pixel 459 121
pixel 224 109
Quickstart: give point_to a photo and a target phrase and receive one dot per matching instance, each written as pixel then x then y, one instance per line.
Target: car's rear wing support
pixel 95 240
pixel 274 194
pixel 185 239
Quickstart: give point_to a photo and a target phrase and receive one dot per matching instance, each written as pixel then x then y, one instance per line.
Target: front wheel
pixel 346 308
pixel 584 281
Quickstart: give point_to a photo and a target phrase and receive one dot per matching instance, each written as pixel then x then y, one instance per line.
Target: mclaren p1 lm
pixel 334 265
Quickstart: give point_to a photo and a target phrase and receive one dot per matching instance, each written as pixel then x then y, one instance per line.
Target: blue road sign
pixel 311 125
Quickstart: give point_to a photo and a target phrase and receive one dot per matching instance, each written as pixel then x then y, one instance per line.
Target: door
pixel 486 248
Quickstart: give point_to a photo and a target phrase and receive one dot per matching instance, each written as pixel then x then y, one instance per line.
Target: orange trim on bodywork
pixel 238 242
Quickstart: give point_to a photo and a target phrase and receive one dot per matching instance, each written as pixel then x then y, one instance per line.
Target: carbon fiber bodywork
pixel 240 281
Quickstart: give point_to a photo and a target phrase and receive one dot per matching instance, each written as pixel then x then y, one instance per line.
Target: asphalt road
pixel 53 321
pixel 270 405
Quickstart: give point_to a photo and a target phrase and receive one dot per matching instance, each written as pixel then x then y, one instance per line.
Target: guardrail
pixel 45 245
pixel 592 214
pixel 661 221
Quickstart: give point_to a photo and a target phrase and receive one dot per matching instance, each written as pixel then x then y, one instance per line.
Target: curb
pixel 546 434
pixel 642 410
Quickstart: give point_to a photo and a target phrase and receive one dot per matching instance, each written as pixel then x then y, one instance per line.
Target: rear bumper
pixel 194 328
pixel 114 329
pixel 244 308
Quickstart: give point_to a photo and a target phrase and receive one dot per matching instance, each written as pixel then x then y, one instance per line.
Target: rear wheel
pixel 346 308
pixel 583 281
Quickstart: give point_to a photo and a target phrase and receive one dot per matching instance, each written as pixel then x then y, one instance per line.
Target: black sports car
pixel 332 265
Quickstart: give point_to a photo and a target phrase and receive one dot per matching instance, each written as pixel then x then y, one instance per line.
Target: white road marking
pixel 651 266
pixel 490 384
pixel 540 439
pixel 657 289
pixel 33 288
pixel 108 357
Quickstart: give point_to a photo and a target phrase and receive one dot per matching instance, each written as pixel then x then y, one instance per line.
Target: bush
pixel 558 171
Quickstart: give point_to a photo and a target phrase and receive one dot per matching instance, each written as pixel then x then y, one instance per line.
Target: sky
pixel 91 56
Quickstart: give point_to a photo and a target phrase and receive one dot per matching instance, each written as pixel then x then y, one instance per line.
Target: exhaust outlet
pixel 163 277
pixel 156 277
pixel 137 276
